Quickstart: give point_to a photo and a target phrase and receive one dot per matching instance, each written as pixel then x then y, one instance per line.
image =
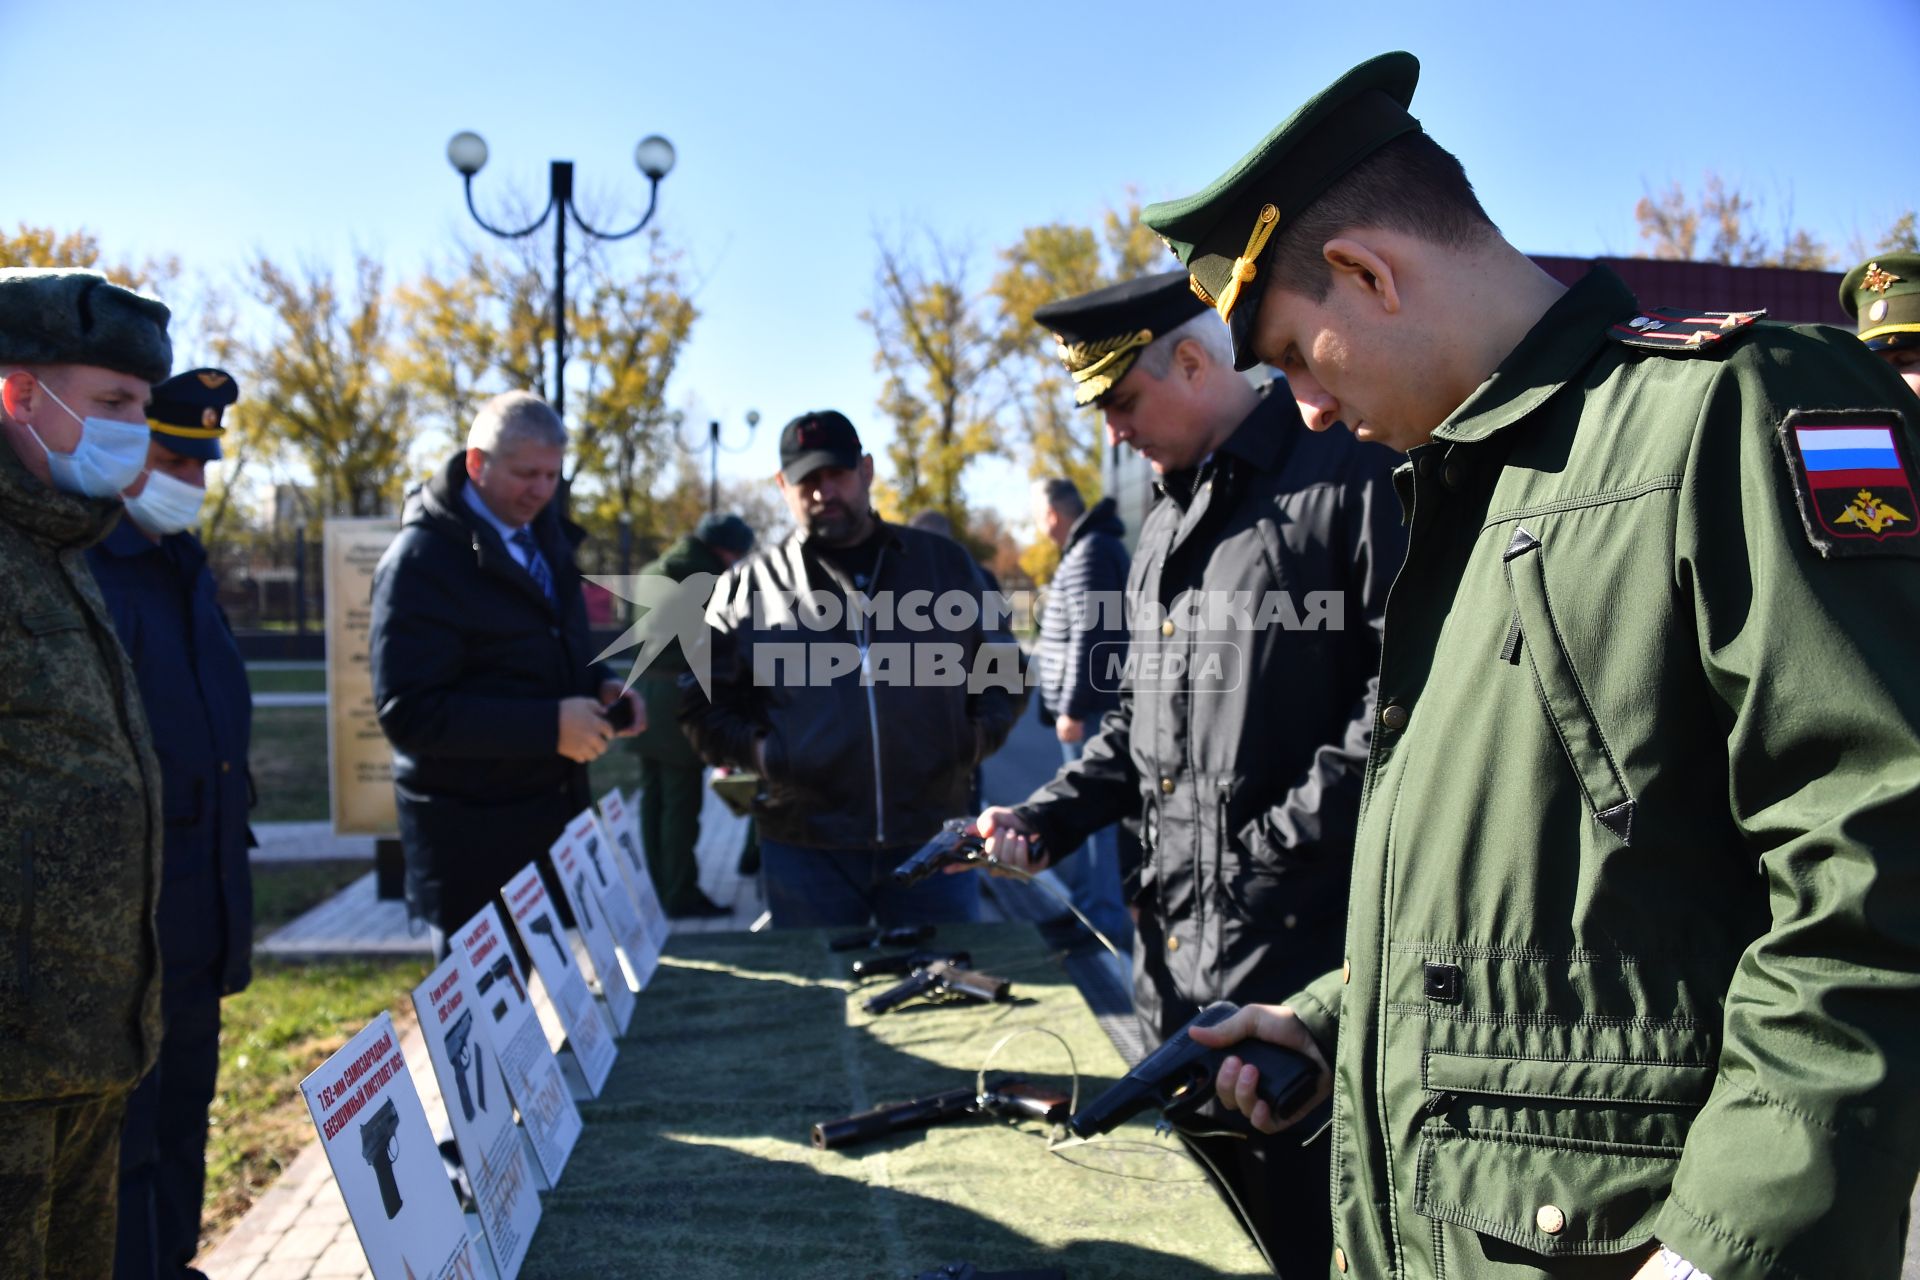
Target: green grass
pixel 289 759
pixel 288 680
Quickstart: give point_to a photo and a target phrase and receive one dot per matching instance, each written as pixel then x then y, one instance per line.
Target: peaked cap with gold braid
pixel 1102 333
pixel 184 414
pixel 1883 297
pixel 1220 233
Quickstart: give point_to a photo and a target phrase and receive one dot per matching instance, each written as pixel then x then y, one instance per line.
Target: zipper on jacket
pixel 23 941
pixel 873 708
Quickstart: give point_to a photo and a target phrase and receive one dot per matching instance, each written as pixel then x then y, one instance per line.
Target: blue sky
pixel 213 130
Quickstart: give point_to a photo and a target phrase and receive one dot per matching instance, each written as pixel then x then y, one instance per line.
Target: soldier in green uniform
pixel 670 772
pixel 1883 296
pixel 1632 975
pixel 80 794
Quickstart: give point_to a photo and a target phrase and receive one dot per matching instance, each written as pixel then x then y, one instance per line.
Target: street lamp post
pixel 713 457
pixel 654 157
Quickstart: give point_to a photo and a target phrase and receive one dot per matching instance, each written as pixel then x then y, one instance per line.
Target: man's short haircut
pixel 1411 185
pixel 1062 494
pixel 1157 356
pixel 512 419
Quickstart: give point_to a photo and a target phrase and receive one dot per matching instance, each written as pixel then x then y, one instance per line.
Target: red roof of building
pixel 1795 297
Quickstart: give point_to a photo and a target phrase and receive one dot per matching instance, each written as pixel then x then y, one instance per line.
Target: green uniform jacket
pixel 1634 942
pixel 662 740
pixel 80 824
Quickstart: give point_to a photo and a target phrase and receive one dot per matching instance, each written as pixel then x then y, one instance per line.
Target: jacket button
pixel 1173 944
pixel 1340 1259
pixel 1166 786
pixel 1346 971
pixel 1550 1219
pixel 1453 475
pixel 1166 627
pixel 226 766
pixel 1291 920
pixel 1393 717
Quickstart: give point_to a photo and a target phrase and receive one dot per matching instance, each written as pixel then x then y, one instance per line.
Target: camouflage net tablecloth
pixel 697 1160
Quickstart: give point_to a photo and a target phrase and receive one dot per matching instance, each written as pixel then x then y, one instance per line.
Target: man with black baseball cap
pixel 863 714
pixel 153 572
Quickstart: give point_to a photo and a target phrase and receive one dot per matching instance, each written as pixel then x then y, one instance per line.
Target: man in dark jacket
pixel 855 668
pixel 482 671
pixel 1082 626
pixel 670 771
pixel 1247 696
pixel 80 816
pixel 193 684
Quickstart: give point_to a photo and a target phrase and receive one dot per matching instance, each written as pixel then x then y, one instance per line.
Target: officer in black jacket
pixel 1246 694
pixel 153 574
pixel 482 667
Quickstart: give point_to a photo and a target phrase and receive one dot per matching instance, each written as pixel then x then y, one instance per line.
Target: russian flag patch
pixel 1852 480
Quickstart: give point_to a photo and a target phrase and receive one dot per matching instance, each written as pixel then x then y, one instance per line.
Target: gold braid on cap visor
pixel 1096 366
pixel 1243 266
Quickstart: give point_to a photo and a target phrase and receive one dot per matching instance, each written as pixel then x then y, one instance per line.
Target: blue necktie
pixel 536 563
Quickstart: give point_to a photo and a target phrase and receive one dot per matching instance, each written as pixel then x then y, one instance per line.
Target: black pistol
pixel 1179 1075
pixel 544 927
pixel 593 856
pixel 1012 1099
pixel 379 1142
pixel 500 971
pixel 580 895
pixel 943 980
pixel 905 962
pixel 959 842
pixel 463 1051
pixel 905 935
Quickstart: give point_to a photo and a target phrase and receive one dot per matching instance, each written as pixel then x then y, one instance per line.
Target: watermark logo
pixel 673 611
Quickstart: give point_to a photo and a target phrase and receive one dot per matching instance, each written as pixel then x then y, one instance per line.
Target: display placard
pixel 580 856
pixel 359 758
pixel 623 825
pixel 553 959
pixel 384 1158
pixel 458 1045
pixel 519 1046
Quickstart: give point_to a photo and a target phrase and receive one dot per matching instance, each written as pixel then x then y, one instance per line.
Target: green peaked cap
pixel 1220 234
pixel 1883 297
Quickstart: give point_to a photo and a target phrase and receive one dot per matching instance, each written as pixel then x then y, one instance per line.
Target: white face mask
pixel 109 457
pixel 167 505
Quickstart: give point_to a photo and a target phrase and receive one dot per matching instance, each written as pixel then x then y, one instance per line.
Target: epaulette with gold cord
pixel 1678 332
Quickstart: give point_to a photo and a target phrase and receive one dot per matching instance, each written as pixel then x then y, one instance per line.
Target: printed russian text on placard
pixel 377 1139
pixel 580 856
pixel 455 1028
pixel 506 1018
pixel 546 941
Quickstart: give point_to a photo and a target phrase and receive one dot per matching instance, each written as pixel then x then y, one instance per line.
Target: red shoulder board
pixel 1684 332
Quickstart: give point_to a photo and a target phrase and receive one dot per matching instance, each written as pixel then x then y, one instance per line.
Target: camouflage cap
pixel 65 316
pixel 1101 334
pixel 1220 233
pixel 1883 296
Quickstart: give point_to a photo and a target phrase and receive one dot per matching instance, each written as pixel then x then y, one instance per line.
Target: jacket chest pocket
pixel 37 671
pixel 1561 1157
pixel 1534 638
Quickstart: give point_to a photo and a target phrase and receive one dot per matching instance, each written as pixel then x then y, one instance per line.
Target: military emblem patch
pixel 1853 481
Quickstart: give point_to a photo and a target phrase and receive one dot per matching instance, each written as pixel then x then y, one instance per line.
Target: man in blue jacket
pixel 154 575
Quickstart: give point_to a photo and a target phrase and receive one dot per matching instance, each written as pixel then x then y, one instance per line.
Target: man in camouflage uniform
pixel 80 825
